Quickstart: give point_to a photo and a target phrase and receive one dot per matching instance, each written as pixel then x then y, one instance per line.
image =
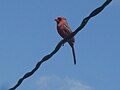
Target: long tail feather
pixel 73 51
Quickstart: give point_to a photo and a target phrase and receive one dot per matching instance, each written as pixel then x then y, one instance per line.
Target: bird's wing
pixel 67 29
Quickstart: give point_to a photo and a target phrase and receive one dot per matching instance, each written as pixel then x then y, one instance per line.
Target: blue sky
pixel 28 32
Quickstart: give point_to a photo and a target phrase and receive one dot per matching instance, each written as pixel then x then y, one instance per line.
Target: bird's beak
pixel 56 19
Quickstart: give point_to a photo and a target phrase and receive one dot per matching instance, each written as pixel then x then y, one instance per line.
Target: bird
pixel 64 30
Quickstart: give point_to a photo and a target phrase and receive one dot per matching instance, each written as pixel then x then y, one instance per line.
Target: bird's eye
pixel 59 18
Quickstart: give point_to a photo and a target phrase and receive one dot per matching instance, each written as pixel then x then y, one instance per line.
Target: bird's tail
pixel 73 51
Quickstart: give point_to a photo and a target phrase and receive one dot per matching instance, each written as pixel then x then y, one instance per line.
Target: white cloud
pixel 57 83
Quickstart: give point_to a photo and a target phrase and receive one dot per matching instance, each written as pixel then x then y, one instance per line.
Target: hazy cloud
pixel 57 83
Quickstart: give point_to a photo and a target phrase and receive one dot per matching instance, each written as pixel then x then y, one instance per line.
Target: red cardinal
pixel 64 30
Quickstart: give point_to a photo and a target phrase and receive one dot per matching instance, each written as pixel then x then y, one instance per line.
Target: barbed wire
pixel 47 57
